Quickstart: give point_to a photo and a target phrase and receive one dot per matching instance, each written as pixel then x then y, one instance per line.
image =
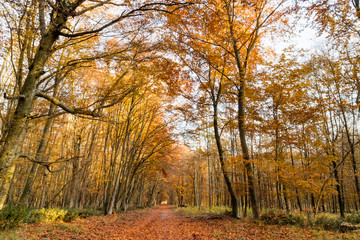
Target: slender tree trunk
pixel 210 183
pixel 74 185
pixel 245 150
pixel 196 196
pixel 277 168
pixel 39 155
pixel 234 200
pixel 296 190
pixel 151 196
pixel 352 151
pixel 285 199
pixel 198 202
pixel 40 151
pixel 16 132
pixel 338 189
pixel 313 205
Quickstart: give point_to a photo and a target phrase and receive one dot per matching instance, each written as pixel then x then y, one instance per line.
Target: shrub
pixel 353 218
pixel 74 213
pixel 53 214
pixel 194 211
pixel 219 210
pixel 298 219
pixel 71 215
pixel 328 221
pixel 324 221
pixel 12 215
pixel 35 216
pixel 280 217
pixel 89 212
pixel 188 210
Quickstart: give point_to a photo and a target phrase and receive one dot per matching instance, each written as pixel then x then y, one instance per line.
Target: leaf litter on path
pixel 161 223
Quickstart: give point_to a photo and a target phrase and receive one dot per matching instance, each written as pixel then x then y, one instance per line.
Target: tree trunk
pixel 296 190
pixel 17 129
pixel 40 151
pixel 245 150
pixel 74 185
pixel 234 205
pixel 210 183
pixel 338 189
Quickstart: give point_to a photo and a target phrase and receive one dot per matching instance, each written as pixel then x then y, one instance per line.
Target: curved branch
pixel 48 164
pixel 132 13
pixel 68 109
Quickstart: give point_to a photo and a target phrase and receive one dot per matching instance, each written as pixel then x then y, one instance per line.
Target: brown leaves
pixel 162 223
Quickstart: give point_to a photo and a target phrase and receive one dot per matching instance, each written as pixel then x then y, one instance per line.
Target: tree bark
pixel 40 151
pixel 234 205
pixel 245 150
pixel 338 189
pixel 17 129
pixel 39 155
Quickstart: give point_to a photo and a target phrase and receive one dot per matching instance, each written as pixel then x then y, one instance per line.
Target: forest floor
pixel 162 223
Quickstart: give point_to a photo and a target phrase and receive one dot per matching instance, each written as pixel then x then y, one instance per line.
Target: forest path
pixel 161 223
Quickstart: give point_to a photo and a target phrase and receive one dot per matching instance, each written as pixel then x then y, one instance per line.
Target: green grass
pixel 195 212
pixel 12 235
pixel 14 214
pixel 281 217
pixel 353 218
pixel 331 235
pixel 217 234
pixel 67 227
pixel 328 221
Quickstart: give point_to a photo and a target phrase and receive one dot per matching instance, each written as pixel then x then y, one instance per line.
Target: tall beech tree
pixel 233 29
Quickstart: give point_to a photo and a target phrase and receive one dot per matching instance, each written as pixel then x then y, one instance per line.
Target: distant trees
pixel 56 53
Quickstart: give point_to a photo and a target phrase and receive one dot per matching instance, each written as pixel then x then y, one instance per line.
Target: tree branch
pixel 13 97
pixel 99 4
pixel 68 109
pixel 48 164
pixel 132 13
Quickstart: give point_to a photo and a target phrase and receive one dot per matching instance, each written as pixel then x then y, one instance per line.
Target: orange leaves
pixel 160 222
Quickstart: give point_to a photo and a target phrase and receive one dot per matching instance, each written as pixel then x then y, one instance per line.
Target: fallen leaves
pixel 160 223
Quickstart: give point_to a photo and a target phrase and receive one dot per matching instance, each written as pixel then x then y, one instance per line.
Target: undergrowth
pixel 14 214
pixel 278 217
pixel 12 235
pixel 195 211
pixel 69 228
pixel 322 221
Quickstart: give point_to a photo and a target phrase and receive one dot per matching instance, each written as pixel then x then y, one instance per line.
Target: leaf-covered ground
pixel 162 223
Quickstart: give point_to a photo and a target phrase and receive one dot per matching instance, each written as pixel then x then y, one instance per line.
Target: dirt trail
pixel 161 223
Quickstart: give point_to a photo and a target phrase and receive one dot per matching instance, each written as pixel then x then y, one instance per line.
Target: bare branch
pixel 68 109
pixel 48 164
pixel 13 97
pixel 132 13
pixel 92 7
